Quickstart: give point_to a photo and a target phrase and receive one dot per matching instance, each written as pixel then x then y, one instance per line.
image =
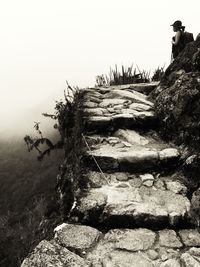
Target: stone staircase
pixel 134 210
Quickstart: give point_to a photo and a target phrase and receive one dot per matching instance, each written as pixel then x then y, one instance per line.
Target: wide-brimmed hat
pixel 177 23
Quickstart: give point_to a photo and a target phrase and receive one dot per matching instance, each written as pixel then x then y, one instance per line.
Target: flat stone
pixel 140 107
pixel 97 179
pixel 123 247
pixel 168 153
pixel 159 184
pixel 131 157
pixel 141 206
pixel 189 261
pixel 170 263
pixel 110 110
pixel 148 183
pixel 134 96
pixel 132 240
pixel 143 114
pixel 134 118
pixel 92 98
pixel 146 177
pixel 94 111
pixel 89 104
pixel 122 185
pixel 109 102
pixel 168 238
pixel 144 88
pixel 125 259
pixel 190 237
pixel 112 140
pixel 103 89
pixel 138 87
pixel 50 254
pixel 176 187
pixel 135 182
pixel 167 253
pixel 194 251
pixel 77 237
pixel 122 116
pixel 93 92
pixel 100 119
pixel 128 111
pixel 120 176
pixel 132 137
pixel 153 254
pixel 118 107
pixel 91 205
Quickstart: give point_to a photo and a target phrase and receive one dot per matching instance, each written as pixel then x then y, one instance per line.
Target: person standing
pixel 178 39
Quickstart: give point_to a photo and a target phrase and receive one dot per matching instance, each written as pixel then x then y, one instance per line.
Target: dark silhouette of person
pixel 178 39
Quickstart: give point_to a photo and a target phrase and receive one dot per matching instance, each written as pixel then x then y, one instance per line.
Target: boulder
pixel 169 238
pixel 178 109
pixel 50 254
pixel 190 237
pixel 78 238
pixel 132 205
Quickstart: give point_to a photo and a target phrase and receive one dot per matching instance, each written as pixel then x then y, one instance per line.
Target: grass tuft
pixel 123 75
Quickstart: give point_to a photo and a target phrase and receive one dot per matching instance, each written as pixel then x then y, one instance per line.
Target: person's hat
pixel 177 23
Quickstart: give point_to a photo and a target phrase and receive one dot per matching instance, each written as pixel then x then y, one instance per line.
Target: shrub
pixel 158 73
pixel 124 76
pixel 63 115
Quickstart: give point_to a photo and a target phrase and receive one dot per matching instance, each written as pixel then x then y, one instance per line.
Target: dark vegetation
pixel 27 195
pixel 158 74
pixel 69 178
pixel 29 205
pixel 124 76
pixel 128 75
pixel 63 115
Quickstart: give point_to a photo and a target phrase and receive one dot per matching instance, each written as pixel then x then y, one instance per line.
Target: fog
pixel 45 42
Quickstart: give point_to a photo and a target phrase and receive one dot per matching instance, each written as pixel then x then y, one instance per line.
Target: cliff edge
pixel 128 189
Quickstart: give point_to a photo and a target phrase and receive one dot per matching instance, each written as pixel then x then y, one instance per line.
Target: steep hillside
pixel 177 104
pixel 124 198
pixel 27 197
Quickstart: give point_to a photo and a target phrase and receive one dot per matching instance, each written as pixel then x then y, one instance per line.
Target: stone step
pixel 127 150
pixel 105 109
pixel 145 88
pixel 133 200
pixel 80 245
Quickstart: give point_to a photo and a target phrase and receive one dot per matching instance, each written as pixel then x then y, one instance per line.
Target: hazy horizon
pixel 45 43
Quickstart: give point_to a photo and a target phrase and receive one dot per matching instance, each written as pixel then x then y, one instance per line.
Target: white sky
pixel 45 42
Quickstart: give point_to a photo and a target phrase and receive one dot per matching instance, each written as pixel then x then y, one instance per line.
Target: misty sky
pixel 45 42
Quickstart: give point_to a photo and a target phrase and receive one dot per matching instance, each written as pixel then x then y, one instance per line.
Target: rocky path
pixel 135 209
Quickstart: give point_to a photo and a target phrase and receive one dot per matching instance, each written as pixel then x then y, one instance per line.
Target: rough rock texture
pixel 177 98
pixel 177 107
pixel 131 182
pixel 50 254
pixel 108 108
pixel 77 237
pixel 118 247
pixel 144 88
pixel 133 202
pixel 187 60
pixel 130 152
